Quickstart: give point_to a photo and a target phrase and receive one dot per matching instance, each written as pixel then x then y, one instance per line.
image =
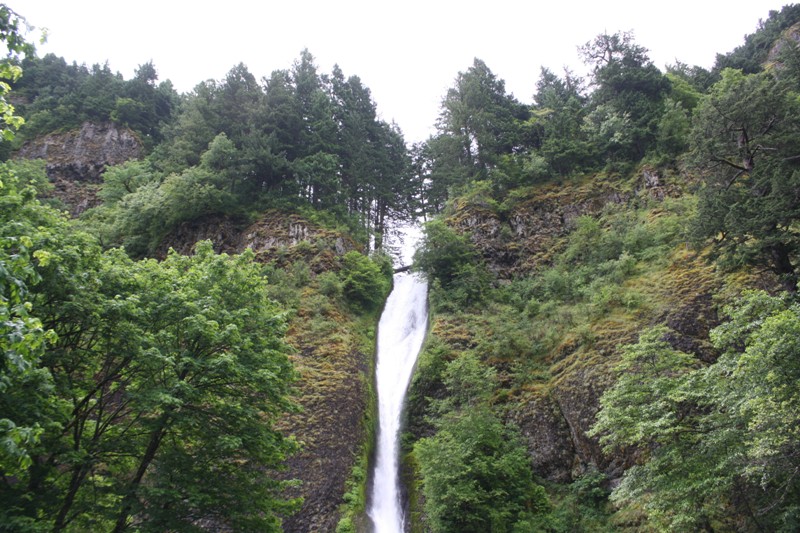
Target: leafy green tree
pixel 230 106
pixel 146 106
pixel 476 473
pixel 26 389
pixel 450 261
pixel 672 136
pixel 124 179
pixel 718 443
pixel 221 381
pixel 27 402
pixel 441 170
pixel 652 406
pixel 364 283
pixel 642 405
pixel 484 120
pixel 171 370
pixel 745 142
pixel 560 109
pixel 13 36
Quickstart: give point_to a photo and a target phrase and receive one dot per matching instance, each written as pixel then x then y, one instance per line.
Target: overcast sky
pixel 408 52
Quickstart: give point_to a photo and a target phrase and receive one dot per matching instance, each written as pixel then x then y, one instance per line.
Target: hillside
pixel 190 286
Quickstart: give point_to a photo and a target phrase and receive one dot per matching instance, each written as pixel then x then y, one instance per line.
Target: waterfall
pixel 400 334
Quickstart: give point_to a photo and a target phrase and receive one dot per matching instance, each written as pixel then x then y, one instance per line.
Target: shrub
pixel 364 284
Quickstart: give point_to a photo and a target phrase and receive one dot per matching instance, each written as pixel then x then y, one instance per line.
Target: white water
pixel 400 335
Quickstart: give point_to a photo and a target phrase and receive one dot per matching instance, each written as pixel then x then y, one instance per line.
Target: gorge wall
pixel 76 159
pixel 332 349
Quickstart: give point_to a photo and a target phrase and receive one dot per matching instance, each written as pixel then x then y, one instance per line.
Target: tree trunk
pixel 782 264
pixel 152 447
pixel 78 475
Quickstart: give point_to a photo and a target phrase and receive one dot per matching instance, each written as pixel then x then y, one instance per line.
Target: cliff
pixel 76 159
pixel 554 346
pixel 333 346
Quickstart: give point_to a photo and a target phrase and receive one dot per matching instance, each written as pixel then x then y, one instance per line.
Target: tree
pixel 363 282
pixel 27 402
pixel 560 109
pixel 751 56
pixel 745 143
pixel 450 261
pixel 145 106
pixel 126 383
pixel 718 444
pixel 476 473
pixel 630 85
pixel 482 118
pixel 124 179
pixel 221 379
pixel 165 372
pixel 12 35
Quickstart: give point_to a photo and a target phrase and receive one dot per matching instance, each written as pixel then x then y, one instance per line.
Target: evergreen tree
pixel 628 95
pixel 746 141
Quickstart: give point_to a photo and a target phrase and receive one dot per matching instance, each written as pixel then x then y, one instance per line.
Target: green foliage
pixel 580 506
pixel 721 440
pixel 232 147
pixel 61 97
pixel 450 261
pixel 26 399
pixel 629 94
pixel 124 179
pixel 753 53
pixel 125 383
pixel 631 412
pixel 476 473
pixel 364 283
pixel 481 116
pixel 13 35
pixel 744 139
pixel 141 206
pixel 672 135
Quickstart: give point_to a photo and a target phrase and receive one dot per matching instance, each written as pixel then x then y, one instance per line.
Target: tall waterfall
pixel 400 334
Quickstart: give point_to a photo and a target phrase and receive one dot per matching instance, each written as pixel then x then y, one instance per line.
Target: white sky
pixel 407 52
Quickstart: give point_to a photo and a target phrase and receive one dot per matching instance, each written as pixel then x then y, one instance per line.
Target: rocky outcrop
pixel 790 37
pixel 526 233
pixel 274 236
pixel 547 435
pixel 77 159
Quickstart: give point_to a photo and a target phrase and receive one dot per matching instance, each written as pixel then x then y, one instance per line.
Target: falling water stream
pixel 400 334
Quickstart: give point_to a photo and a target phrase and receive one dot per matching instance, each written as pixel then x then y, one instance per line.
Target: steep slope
pixel 76 159
pixel 333 337
pixel 577 270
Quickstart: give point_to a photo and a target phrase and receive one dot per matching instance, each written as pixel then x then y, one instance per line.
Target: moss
pixel 334 358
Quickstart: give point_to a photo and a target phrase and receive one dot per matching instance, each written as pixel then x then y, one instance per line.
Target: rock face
pixel 528 234
pixel 282 237
pixel 333 367
pixel 76 159
pixel 519 239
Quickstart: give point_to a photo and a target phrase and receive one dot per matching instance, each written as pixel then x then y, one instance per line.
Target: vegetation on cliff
pixel 598 358
pixel 594 253
pixel 126 382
